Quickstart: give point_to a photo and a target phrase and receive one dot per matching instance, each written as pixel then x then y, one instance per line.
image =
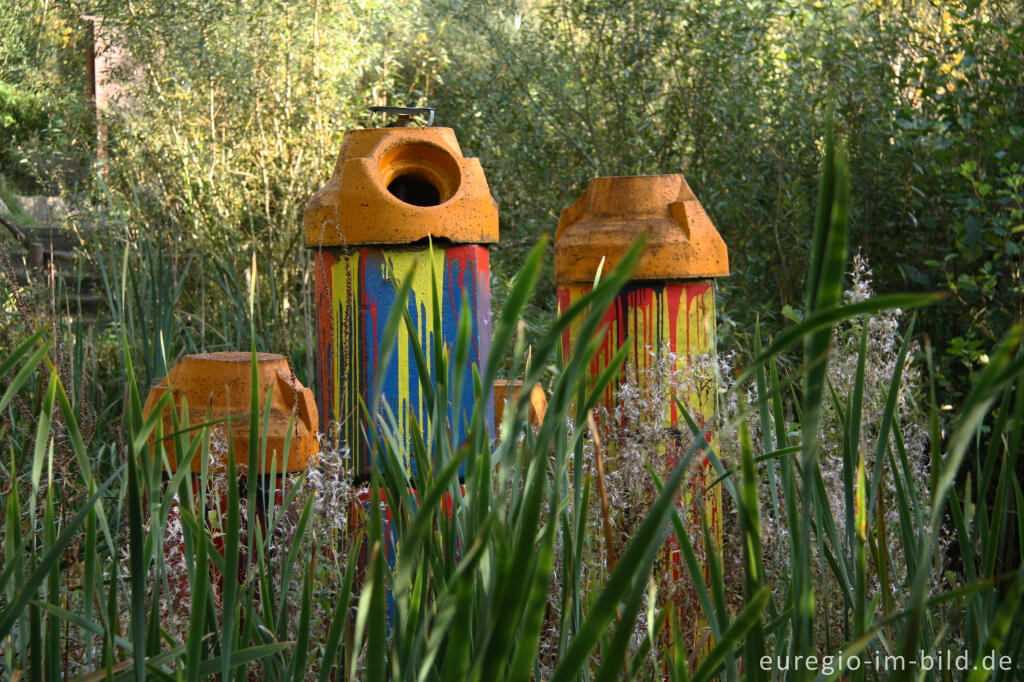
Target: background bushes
pixel 235 111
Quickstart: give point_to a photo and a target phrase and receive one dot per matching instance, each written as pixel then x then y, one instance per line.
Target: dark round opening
pixel 412 189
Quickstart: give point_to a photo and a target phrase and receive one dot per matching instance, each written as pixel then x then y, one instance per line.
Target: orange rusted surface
pixel 222 383
pixel 399 186
pixel 614 212
pixel 510 390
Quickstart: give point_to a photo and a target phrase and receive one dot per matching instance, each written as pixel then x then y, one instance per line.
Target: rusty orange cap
pixel 614 212
pixel 222 382
pixel 401 185
pixel 510 391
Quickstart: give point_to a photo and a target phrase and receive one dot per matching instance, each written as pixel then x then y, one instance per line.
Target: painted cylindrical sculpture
pixel 666 317
pixel 399 198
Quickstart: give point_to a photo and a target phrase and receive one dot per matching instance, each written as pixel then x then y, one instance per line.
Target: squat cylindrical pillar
pixel 217 387
pixel 398 197
pixel 666 317
pixel 222 383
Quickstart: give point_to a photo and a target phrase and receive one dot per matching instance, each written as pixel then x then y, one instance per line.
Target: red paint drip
pixel 370 305
pixel 694 291
pixel 324 264
pixel 563 305
pixel 611 338
pixel 466 257
pixel 673 297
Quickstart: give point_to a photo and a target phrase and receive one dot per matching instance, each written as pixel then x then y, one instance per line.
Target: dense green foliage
pixel 734 95
pixel 229 126
pixel 877 495
pixel 473 590
pixel 44 123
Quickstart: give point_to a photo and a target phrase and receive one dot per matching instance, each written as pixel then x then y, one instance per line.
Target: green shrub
pixel 120 576
pixel 22 119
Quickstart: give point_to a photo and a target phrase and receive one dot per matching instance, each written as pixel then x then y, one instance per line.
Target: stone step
pixel 66 277
pixel 84 304
pixel 89 303
pixel 54 238
pixel 43 210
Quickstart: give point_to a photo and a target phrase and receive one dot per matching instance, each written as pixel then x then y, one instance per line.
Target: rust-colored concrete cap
pixel 401 185
pixel 614 212
pixel 222 382
pixel 510 391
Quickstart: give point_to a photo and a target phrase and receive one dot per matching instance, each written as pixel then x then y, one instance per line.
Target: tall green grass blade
pixel 289 564
pixel 138 572
pixel 200 590
pixel 603 610
pixel 40 446
pixel 713 559
pixel 512 592
pixel 53 641
pixel 825 277
pixel 737 630
pixel 257 437
pixel 229 595
pixel 35 644
pixel 87 624
pixel 298 668
pixel 695 570
pixel 535 606
pixel 178 486
pixel 679 667
pixel 15 607
pixel 860 603
pixel 112 625
pixel 376 645
pixel 614 653
pixel 243 656
pixel 13 550
pixel 1018 495
pixel 461 357
pixel 1003 366
pixel 648 647
pixel 89 573
pixel 339 619
pixel 827 317
pixel 853 428
pixel 17 355
pixel 399 313
pixel 452 617
pixel 766 424
pixel 24 374
pixel 417 535
pixel 822 223
pixel 750 531
pixel 459 614
pixel 82 458
pixel 888 412
pixel 510 315
pixel 1007 614
pixel 781 437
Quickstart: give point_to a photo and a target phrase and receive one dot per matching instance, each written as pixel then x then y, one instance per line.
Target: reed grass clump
pixel 865 523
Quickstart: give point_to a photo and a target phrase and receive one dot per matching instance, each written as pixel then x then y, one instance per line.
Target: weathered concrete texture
pixel 43 210
pixel 511 391
pixel 401 186
pixel 221 382
pixel 614 212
